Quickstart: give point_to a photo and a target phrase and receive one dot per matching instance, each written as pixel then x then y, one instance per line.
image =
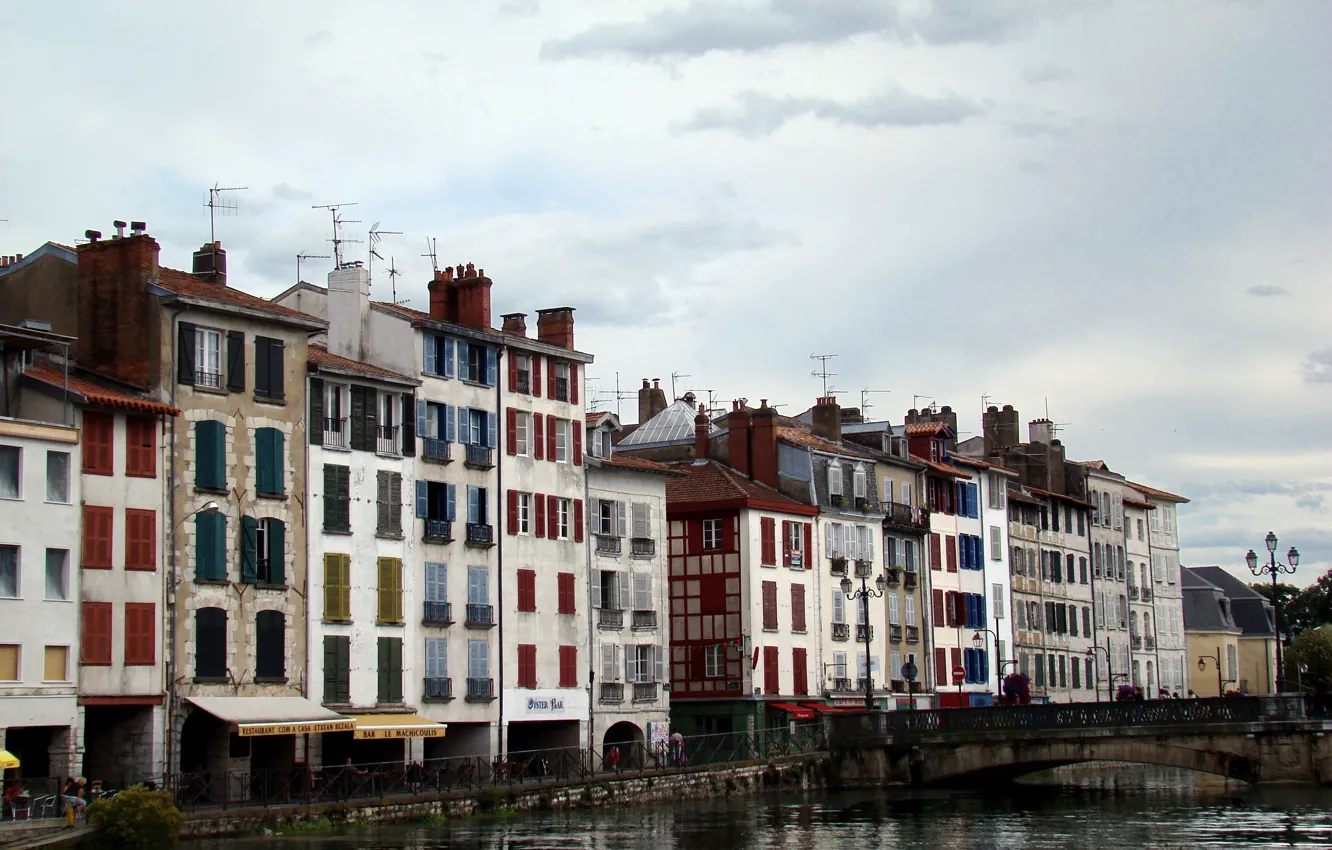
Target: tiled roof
pixel 710 481
pixel 1134 503
pixel 1050 494
pixel 801 437
pixel 1094 464
pixel 182 283
pixel 95 393
pixel 401 310
pixel 594 416
pixel 942 468
pixel 921 428
pixel 320 356
pixel 1158 494
pixel 639 464
pixel 983 464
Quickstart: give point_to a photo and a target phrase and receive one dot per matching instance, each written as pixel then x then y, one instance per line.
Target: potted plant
pixel 894 574
pixel 863 505
pixel 1016 689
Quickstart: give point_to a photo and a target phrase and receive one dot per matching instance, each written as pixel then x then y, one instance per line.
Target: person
pixel 1174 695
pixel 12 793
pixel 1193 695
pixel 677 749
pixel 613 760
pixel 73 795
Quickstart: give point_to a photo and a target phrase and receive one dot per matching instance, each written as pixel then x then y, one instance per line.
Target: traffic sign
pixel 959 675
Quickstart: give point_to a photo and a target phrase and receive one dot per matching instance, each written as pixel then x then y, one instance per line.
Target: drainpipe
pixel 1156 624
pixel 169 583
pixel 926 593
pixel 499 550
pixel 591 629
pixel 1096 636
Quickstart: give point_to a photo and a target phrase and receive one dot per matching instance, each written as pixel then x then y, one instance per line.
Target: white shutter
pixel 838 606
pixel 830 542
pixel 619 519
pixel 869 541
pixel 642 591
pixel 910 610
pixel 658 663
pixel 887 491
pixel 997 601
pixel 625 590
pixel 593 515
pixel 906 493
pixel 630 664
pixel 596 588
pixel 608 666
pixel 892 610
pixel 642 524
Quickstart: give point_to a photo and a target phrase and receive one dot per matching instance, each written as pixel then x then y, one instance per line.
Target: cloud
pixel 289 193
pixel 1312 503
pixel 1267 290
pixel 318 38
pixel 755 114
pixel 1047 73
pixel 520 8
pixel 1318 367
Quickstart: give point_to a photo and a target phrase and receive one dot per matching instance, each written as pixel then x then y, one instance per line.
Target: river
pixel 1102 807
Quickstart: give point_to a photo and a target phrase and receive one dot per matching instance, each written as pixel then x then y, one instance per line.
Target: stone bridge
pixel 1259 739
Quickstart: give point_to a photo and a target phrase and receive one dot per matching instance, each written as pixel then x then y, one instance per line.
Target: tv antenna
pixel 432 253
pixel 304 256
pixel 393 279
pixel 822 371
pixel 675 375
pixel 376 235
pixel 1055 427
pixel 864 402
pixel 338 221
pixel 217 204
pixel 916 397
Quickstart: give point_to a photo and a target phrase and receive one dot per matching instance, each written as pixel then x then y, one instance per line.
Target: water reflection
pixel 1085 806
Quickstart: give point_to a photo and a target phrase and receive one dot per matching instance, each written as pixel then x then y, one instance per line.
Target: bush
pixel 136 819
pixel 1309 661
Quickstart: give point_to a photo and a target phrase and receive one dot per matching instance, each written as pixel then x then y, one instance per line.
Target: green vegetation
pixel 307 826
pixel 136 819
pixel 1309 661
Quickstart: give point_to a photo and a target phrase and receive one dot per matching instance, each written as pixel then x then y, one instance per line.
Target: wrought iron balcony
pixel 480 616
pixel 910 580
pixel 480 690
pixel 335 433
pixel 523 384
pixel 841 631
pixel 645 691
pixel 642 547
pixel 837 565
pixel 1148 643
pixel 610 618
pixel 898 685
pixel 386 439
pixel 608 544
pixel 842 685
pixel 436 451
pixel 212 380
pixel 1146 593
pixel 611 692
pixel 895 633
pixel 1136 641
pixel 861 684
pixel 561 389
pixel 894 577
pixel 480 535
pixel 1132 592
pixel 913 634
pixel 438 531
pixel 643 620
pixel 479 457
pixel 437 614
pixel 905 517
pixel 864 633
pixel 433 689
pixel 863 568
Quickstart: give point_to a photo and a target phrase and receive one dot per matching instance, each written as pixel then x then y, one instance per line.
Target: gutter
pixel 169 584
pixel 500 351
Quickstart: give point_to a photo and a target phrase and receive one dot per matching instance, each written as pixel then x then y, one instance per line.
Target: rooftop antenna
pixel 337 239
pixel 675 375
pixel 304 256
pixel 864 402
pixel 822 371
pixel 217 204
pixel 375 236
pixel 393 278
pixel 915 400
pixel 1055 427
pixel 432 253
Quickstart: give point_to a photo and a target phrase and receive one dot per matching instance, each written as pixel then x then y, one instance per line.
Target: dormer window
pixel 835 479
pixel 934 451
pixel 860 483
pixel 602 444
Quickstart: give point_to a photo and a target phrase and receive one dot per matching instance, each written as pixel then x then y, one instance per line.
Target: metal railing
pixel 437 688
pixel 1148 642
pixel 895 633
pixel 480 535
pixel 608 544
pixel 1136 641
pixel 910 580
pixel 1146 593
pixel 642 547
pixel 386 439
pixel 438 529
pixel 1132 592
pixel 913 634
pixel 841 631
pixel 436 450
pixel 561 389
pixel 864 632
pixel 204 378
pixel 335 433
pixel 841 685
pixel 480 689
pixel 643 620
pixel 645 691
pixel 611 692
pixel 905 516
pixel 523 383
pixel 480 615
pixel 837 565
pixel 610 618
pixel 437 614
pixel 893 577
pixel 478 456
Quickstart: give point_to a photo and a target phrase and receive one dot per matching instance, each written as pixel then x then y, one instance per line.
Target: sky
pixel 1114 210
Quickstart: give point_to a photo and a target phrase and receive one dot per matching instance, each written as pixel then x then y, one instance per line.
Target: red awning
pixel 798 712
pixel 833 709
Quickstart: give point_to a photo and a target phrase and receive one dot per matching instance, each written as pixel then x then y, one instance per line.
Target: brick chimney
pixel 443 296
pixel 473 289
pixel 701 429
pixel 827 419
pixel 1000 428
pixel 763 445
pixel 555 325
pixel 737 437
pixel 645 401
pixel 119 333
pixel 515 323
pixel 210 263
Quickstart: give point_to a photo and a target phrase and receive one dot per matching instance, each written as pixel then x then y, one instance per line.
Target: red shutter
pixel 578 520
pixel 938 606
pixel 786 543
pixel 568 667
pixel 140 447
pixel 577 444
pixel 808 557
pixel 96 538
pixel 96 642
pixel 573 383
pixel 797 608
pixel 511 428
pixel 526 590
pixel 538 436
pixel 526 665
pixel 550 378
pixel 513 372
pixel 536 376
pixel 952 553
pixel 140 539
pixel 768 541
pixel 539 506
pixel 940 668
pixel 936 552
pixel 140 633
pixel 551 424
pixel 566 591
pixel 552 518
pixel 513 510
pixel 98 446
pixel 771 671
pixel 799 671
pixel 770 606
pixel 956 655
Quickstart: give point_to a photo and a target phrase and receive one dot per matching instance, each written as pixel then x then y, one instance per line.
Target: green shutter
pixel 277 551
pixel 383 669
pixel 269 474
pixel 249 547
pixel 395 670
pixel 210 547
pixel 209 453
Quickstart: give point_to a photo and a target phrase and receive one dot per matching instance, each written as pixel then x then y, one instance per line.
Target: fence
pixel 40 797
pixel 305 785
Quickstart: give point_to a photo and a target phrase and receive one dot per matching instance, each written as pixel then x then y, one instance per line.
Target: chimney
pixel 515 323
pixel 349 312
pixel 658 397
pixel 763 444
pixel 555 325
pixel 737 437
pixel 644 402
pixel 949 418
pixel 120 229
pixel 119 332
pixel 473 290
pixel 1001 429
pixel 443 296
pixel 210 262
pixel 1040 431
pixel 701 433
pixel 827 419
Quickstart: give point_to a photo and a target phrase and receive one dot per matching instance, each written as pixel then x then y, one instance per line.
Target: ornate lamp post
pixel 1215 659
pixel 864 594
pixel 979 643
pixel 1109 670
pixel 1273 569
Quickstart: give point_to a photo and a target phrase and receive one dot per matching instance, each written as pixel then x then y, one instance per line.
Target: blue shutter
pixel 473 503
pixel 492 426
pixel 450 499
pixel 450 424
pixel 980 609
pixel 277 551
pixel 422 499
pixel 465 425
pixel 421 426
pixel 492 370
pixel 973 492
pixel 431 364
pixel 464 358
pixel 448 357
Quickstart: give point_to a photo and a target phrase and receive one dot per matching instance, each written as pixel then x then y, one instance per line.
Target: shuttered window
pixel 771 670
pixel 140 539
pixel 210 547
pixel 436 582
pixel 364 408
pixel 337 498
pixel 390 590
pixel 97 535
pixel 95 644
pixel 768 541
pixel 268 375
pixel 337 587
pixel 269 466
pixel 936 552
pixel 140 447
pixel 436 658
pixel 566 593
pixel 98 443
pixel 390 670
pixel 337 669
pixel 210 643
pixel 140 634
pixel 526 590
pixel 769 606
pixel 209 455
pixel 527 677
pixel 236 361
pixel 270 645
pixel 388 504
pixel 800 671
pixel 797 608
pixel 568 666
pixel 951 553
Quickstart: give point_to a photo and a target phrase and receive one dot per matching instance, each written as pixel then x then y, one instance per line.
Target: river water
pixel 1101 807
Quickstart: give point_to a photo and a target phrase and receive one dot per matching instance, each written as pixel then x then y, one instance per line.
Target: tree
pixel 136 819
pixel 1309 660
pixel 1301 609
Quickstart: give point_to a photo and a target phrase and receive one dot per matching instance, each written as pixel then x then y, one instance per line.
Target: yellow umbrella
pixel 8 760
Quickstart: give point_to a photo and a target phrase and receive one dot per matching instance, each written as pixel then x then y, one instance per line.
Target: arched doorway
pixel 622 746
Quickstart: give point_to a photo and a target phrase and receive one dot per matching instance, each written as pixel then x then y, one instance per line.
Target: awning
pixel 381 726
pixel 8 760
pixel 797 711
pixel 833 709
pixel 252 716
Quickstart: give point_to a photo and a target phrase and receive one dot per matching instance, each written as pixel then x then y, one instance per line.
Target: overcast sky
pixel 1120 209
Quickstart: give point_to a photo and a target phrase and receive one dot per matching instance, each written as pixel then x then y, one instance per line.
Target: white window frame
pixel 909 613
pixel 18 572
pixel 524 367
pixel 714 661
pixel 64 576
pixel 562 371
pixel 563 447
pixel 18 473
pixel 860 482
pixel 563 520
pixel 712 534
pixel 524 513
pixel 839 665
pixel 996 544
pixel 894 618
pixel 203 354
pixel 998 490
pixel 835 479
pixel 522 429
pixel 50 498
pixel 906 491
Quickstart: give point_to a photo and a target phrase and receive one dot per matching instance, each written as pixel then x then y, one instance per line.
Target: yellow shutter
pixel 397 590
pixel 57 664
pixel 9 662
pixel 344 573
pixel 333 588
pixel 385 590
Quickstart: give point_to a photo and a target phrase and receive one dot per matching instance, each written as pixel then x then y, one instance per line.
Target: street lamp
pixel 979 643
pixel 1109 670
pixel 864 595
pixel 1216 659
pixel 1273 569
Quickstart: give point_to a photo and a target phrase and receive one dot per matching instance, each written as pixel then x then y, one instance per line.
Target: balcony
pixel 610 618
pixel 612 692
pixel 335 433
pixel 212 380
pixel 910 579
pixel 861 684
pixel 841 686
pixel 643 620
pixel 864 505
pixel 864 633
pixel 480 690
pixel 913 634
pixel 645 691
pixel 863 568
pixel 386 440
pixel 480 535
pixel 608 545
pixel 437 531
pixel 1132 592
pixel 561 389
pixel 841 631
pixel 893 576
pixel 1149 643
pixel 523 384
pixel 642 547
pixel 905 517
pixel 898 686
pixel 478 457
pixel 1136 641
pixel 895 633
pixel 437 689
pixel 437 614
pixel 1146 593
pixel 838 565
pixel 480 616
pixel 435 451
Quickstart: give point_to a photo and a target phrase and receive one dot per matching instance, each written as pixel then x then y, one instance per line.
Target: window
pixel 894 618
pixel 209 455
pixel 477 506
pixel 210 547
pixel 712 534
pixel 769 606
pixel 860 482
pixel 388 504
pixel 563 443
pixel 608 518
pixel 565 591
pixel 97 522
pixel 270 462
pixel 524 513
pixel 9 572
pixel 644 662
pixel 642 591
pixel 602 445
pixel 436 658
pixel 140 634
pixel 390 671
pixel 140 539
pixel 57 574
pixel 478 585
pixel 270 645
pixel 210 643
pixel 268 372
pixel 337 669
pixel 793 544
pixel 521 364
pixel 9 472
pixel 768 541
pixel 527 590
pixel 478 659
pixel 714 661
pixel 527 665
pixel 9 662
pixel 997 491
pixel 57 477
pixel 996 544
pixel 522 432
pixel 55 664
pixel 1082 570
pixel 207 357
pixel 561 387
pixel 834 479
pixel 568 666
pixel 337 498
pixel 910 610
pixel 98 445
pixel 390 590
pixel 642 519
pixel 798 608
pixel 477 363
pixel 264 551
pixel 562 519
pixel 140 447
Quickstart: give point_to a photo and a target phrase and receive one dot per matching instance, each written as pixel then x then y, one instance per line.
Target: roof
pixel 942 468
pixel 983 464
pixel 183 283
pixel 1093 464
pixel 1021 495
pixel 1202 605
pixel 1162 495
pixel 1050 494
pixel 507 337
pixel 638 464
pixel 801 437
pixel 320 358
pixel 63 252
pixel 675 424
pixel 1134 503
pixel 920 429
pixel 96 393
pixel 710 481
pixel 1250 609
